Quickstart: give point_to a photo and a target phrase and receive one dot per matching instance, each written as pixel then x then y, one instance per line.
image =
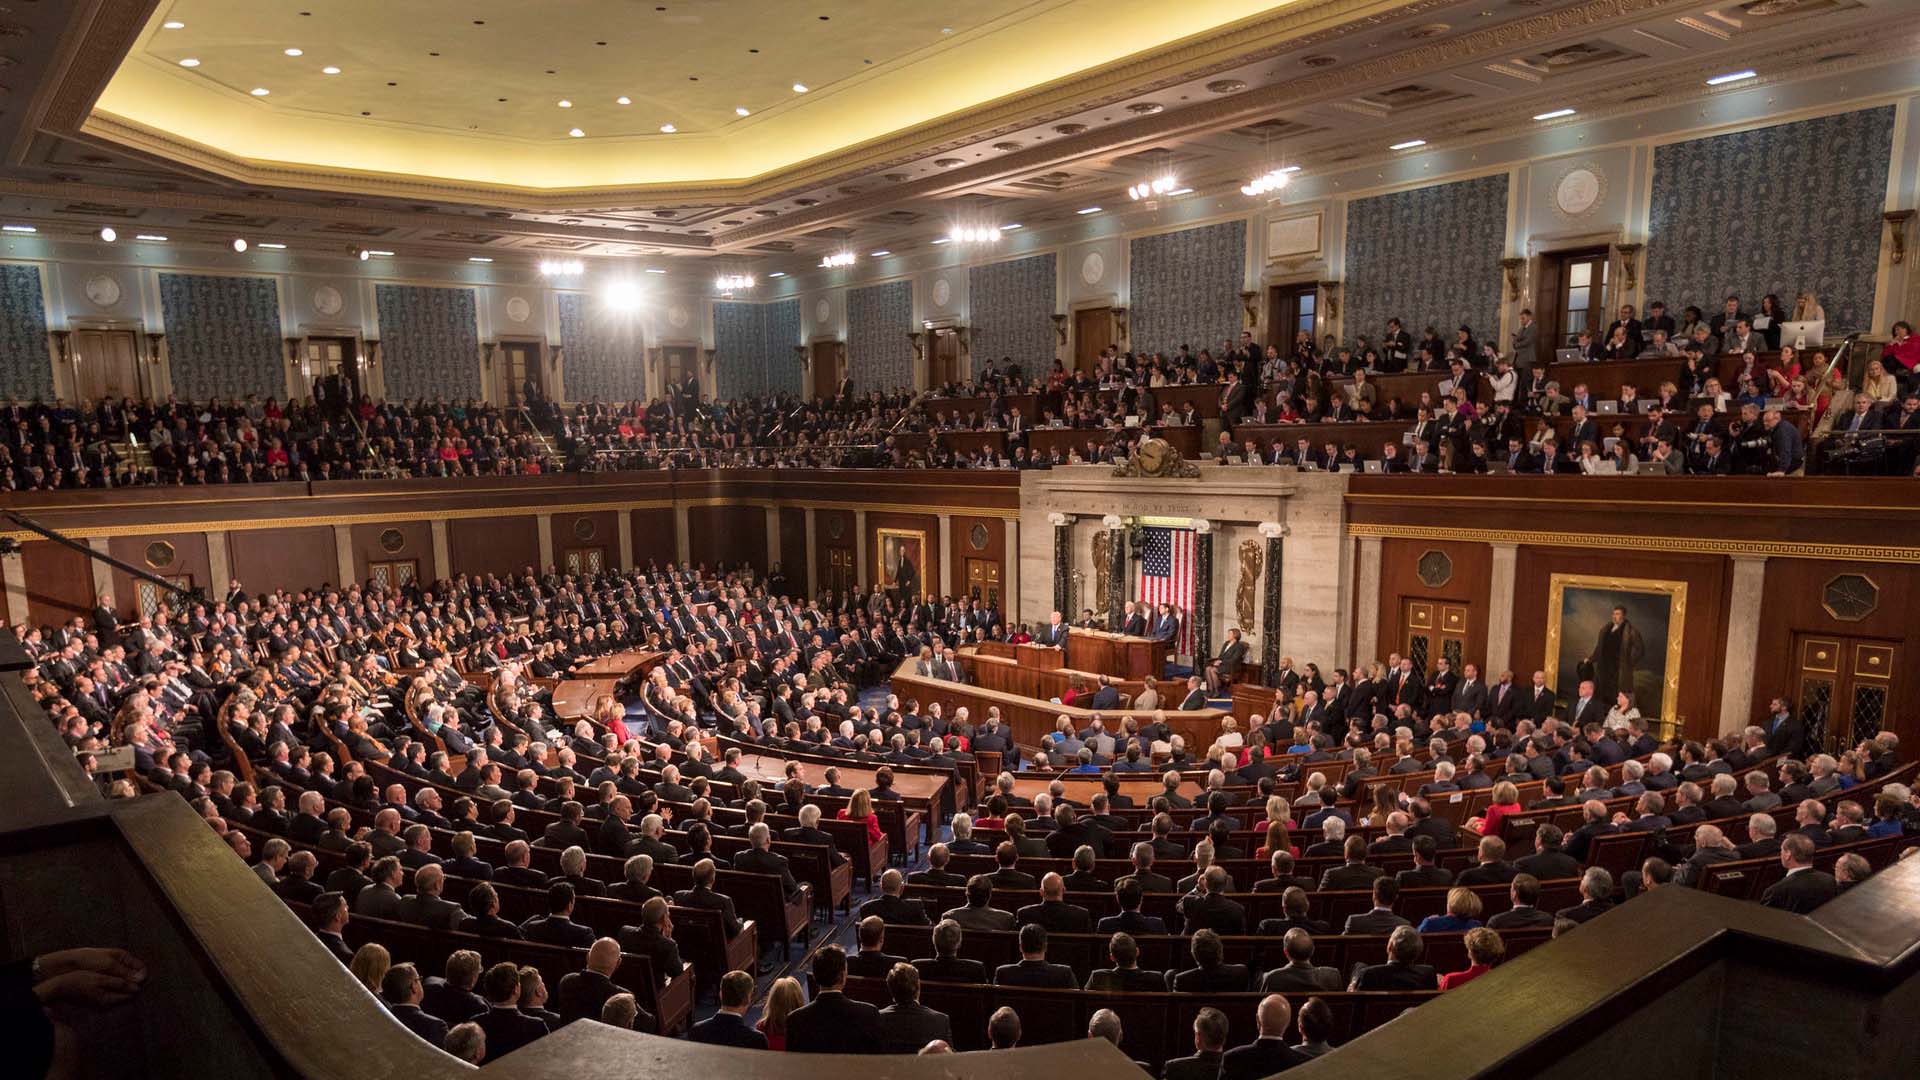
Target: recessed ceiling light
pixel 108 235
pixel 1085 210
pixel 240 246
pixel 877 254
pixel 623 100
pixel 1734 76
pixel 276 247
pixel 173 24
pixel 1408 145
pixel 1290 169
pixel 1554 115
pixel 668 129
pixel 329 70
pixel 259 91
pixel 799 88
pixel 938 240
pixel 741 110
pixel 577 133
pixel 655 270
pixel 1010 228
pixel 478 259
pixel 18 228
pixel 1181 191
pixel 376 251
pixel 151 238
pixel 778 273
pixel 564 103
pixel 189 62
pixel 295 52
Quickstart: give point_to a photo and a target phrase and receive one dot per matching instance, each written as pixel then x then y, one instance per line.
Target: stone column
pixel 1202 592
pixel 773 537
pixel 1116 598
pixel 1275 534
pixel 860 580
pixel 1062 558
pixel 1743 642
pixel 343 553
pixel 14 569
pixel 626 540
pixel 218 568
pixel 1500 615
pixel 102 573
pixel 927 584
pixel 1010 574
pixel 682 544
pixel 804 579
pixel 544 523
pixel 442 551
pixel 1366 606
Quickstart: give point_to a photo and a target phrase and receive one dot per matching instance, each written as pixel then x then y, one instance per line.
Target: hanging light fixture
pixel 974 234
pixel 1148 189
pixel 733 283
pixel 1269 182
pixel 842 258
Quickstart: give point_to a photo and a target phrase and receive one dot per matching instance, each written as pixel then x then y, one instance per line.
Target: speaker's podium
pixel 1123 656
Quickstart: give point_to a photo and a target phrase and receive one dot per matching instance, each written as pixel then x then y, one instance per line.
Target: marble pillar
pixel 442 551
pixel 682 535
pixel 1366 611
pixel 1743 643
pixel 1116 598
pixel 544 523
pixel 773 537
pixel 102 573
pixel 1202 592
pixel 14 568
pixel 218 567
pixel 343 553
pixel 804 579
pixel 939 588
pixel 626 540
pixel 1500 614
pixel 1010 576
pixel 860 579
pixel 1270 604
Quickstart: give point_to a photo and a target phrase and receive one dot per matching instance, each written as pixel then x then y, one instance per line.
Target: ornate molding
pixel 1250 309
pixel 1897 221
pixel 1513 267
pixel 1690 545
pixel 1629 264
pixel 1060 327
pixel 1119 323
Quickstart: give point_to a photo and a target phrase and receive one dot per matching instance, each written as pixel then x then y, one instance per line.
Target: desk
pixel 575 698
pixel 1119 655
pixel 1002 673
pixel 618 665
pixel 1030 718
pixel 961 441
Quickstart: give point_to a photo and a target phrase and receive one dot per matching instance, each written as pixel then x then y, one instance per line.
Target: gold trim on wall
pixel 918 536
pixel 1676 594
pixel 1682 544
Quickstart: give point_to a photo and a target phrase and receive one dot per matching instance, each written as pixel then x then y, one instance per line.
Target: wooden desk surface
pixel 1001 673
pixel 617 665
pixel 769 769
pixel 1031 718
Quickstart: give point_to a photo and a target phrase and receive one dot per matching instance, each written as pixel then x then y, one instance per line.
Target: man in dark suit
pixel 584 993
pixel 653 939
pixel 906 1025
pixel 1211 973
pixel 1053 911
pixel 1470 695
pixel 1269 1053
pixel 557 927
pixel 1786 732
pixel 891 907
pixel 946 965
pixel 1804 888
pixel 401 990
pixel 1425 871
pixel 1129 895
pixel 1586 707
pixel 833 1023
pixel 1596 896
pixel 425 907
pixel 1380 919
pixel 1300 974
pixel 506 1027
pixel 760 859
pixel 1033 969
pixel 450 997
pixel 1493 867
pixel 1548 862
pixel 1125 974
pixel 1402 971
pixel 1356 872
pixel 1208 907
pixel 729 1026
pixel 1525 894
pixel 872 961
pixel 1209 1039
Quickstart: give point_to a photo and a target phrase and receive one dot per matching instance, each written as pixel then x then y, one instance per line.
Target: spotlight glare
pixel 189 62
pixel 1732 77
pixel 239 246
pixel 1554 114
pixel 799 88
pixel 624 295
pixel 108 235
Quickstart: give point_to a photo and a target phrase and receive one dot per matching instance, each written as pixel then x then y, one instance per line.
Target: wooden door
pixel 943 359
pixel 393 573
pixel 677 362
pixel 520 363
pixel 1843 686
pixel 333 370
pixel 1570 296
pixel 983 580
pixel 1291 309
pixel 826 369
pixel 840 575
pixel 107 364
pixel 1092 333
pixel 1433 628
pixel 587 561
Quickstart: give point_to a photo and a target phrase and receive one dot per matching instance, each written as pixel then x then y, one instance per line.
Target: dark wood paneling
pixel 59 582
pixel 653 536
pixel 603 531
pixel 1470 585
pixel 1703 637
pixel 728 535
pixel 1792 605
pixel 189 560
pixel 416 543
pixel 930 569
pixel 793 550
pixel 831 529
pixel 501 545
pixel 994 552
pixel 266 559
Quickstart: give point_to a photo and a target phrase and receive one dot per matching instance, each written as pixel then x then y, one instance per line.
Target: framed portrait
pixel 903 562
pixel 1622 633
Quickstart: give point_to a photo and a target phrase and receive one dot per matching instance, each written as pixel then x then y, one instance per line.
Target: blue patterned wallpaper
pixel 430 342
pixel 1429 257
pixel 1012 311
pixel 879 352
pixel 1773 210
pixel 753 348
pixel 1186 288
pixel 223 336
pixel 26 367
pixel 605 358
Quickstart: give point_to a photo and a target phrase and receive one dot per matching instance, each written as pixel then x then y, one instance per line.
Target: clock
pixel 103 290
pixel 1850 597
pixel 1578 191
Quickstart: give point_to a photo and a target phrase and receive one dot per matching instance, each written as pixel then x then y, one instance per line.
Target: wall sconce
pixel 1630 264
pixel 1330 291
pixel 1246 305
pixel 918 337
pixel 1897 232
pixel 1060 327
pixel 1119 323
pixel 1513 268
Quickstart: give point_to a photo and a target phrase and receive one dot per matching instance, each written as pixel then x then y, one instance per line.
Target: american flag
pixel 1166 576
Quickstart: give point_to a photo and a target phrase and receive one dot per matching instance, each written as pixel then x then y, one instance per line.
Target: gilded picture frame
pixel 1579 611
pixel 892 544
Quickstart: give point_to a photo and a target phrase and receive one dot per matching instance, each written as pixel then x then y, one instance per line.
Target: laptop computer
pixel 1570 355
pixel 1649 467
pixel 1608 467
pixel 1608 408
pixel 1608 443
pixel 1497 467
pixel 1371 466
pixel 1807 334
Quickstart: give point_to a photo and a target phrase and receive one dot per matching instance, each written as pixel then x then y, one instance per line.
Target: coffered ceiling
pixel 917 118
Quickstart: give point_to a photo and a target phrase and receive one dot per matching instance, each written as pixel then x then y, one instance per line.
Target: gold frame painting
pixel 1592 599
pixel 888 544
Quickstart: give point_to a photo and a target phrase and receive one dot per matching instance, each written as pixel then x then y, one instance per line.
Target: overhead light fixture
pixel 733 282
pixel 478 259
pixel 173 24
pixel 974 234
pixel 562 267
pixel 623 295
pixel 108 235
pixel 576 133
pixel 656 270
pixel 329 70
pixel 275 247
pixel 565 104
pixel 623 100
pixel 382 254
pixel 189 62
pixel 1268 182
pixel 938 240
pixel 1554 115
pixel 365 254
pixel 1147 189
pixel 877 254
pixel 742 110
pixel 1408 145
pixel 1085 210
pixel 151 238
pixel 839 258
pixel 799 88
pixel 1732 77
pixel 1181 191
pixel 778 273
pixel 1010 228
pixel 295 52
pixel 668 129
pixel 239 246
pixel 259 91
pixel 18 228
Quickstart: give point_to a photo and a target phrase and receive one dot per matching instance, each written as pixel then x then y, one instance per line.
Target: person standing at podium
pixel 1055 632
pixel 1135 623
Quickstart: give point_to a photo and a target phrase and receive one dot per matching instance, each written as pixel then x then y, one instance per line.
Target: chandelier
pixel 982 234
pixel 844 258
pixel 1147 189
pixel 1269 182
pixel 729 283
